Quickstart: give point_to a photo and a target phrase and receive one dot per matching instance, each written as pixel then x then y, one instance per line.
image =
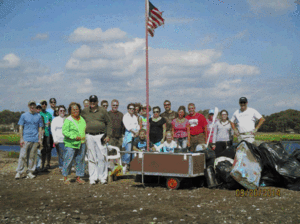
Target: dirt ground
pixel 46 199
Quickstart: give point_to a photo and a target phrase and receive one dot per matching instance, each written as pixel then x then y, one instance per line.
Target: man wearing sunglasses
pixel 169 114
pixel 52 102
pixel 104 104
pixel 98 123
pixel 245 118
pixel 30 128
pixel 116 118
pixel 47 141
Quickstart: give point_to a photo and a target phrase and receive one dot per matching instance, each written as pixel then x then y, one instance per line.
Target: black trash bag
pixel 276 158
pixel 296 154
pixel 270 178
pixel 223 176
pixel 210 156
pixel 229 152
pixel 293 184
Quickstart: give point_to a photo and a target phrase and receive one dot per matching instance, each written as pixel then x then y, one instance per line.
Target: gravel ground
pixel 46 199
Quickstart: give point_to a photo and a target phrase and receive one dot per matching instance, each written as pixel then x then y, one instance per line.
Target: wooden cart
pixel 173 166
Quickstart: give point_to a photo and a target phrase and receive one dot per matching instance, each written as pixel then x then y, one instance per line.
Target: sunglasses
pixel 52 102
pixel 44 103
pixel 131 108
pixel 144 108
pixel 156 111
pixel 115 105
pixel 105 105
pixel 61 110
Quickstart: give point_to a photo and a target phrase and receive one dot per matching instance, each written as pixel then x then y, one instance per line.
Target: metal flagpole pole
pixel 147 72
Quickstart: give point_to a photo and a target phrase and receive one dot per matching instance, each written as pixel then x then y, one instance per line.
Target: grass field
pixel 9 139
pixel 14 139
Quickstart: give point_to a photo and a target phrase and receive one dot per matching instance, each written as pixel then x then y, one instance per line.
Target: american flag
pixel 154 19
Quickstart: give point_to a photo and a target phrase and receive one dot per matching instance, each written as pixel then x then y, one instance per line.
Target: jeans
pixel 74 154
pixel 182 142
pixel 60 147
pixel 126 158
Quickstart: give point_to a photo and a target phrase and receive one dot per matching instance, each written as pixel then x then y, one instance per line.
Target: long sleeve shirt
pixel 222 132
pixel 71 129
pixel 56 129
pixel 98 121
pixel 131 122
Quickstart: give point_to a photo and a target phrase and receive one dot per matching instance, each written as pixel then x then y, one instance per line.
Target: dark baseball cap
pixel 93 98
pixel 243 100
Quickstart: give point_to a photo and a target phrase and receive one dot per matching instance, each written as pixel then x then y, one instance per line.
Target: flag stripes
pixel 154 19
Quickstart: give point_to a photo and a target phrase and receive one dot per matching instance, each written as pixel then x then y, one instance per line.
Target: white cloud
pixel 277 7
pixel 83 34
pixel 223 68
pixel 41 36
pixel 10 61
pixel 47 79
pixel 85 87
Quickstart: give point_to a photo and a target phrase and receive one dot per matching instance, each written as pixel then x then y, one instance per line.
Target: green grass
pixel 13 154
pixel 12 139
pixel 269 137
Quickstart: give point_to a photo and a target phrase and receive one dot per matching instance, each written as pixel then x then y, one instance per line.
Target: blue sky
pixel 208 52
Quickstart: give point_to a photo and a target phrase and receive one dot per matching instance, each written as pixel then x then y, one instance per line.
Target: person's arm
pixel 41 135
pixel 164 132
pixel 108 126
pixel 135 148
pixel 68 133
pixel 215 136
pixel 140 122
pixel 21 135
pixel 173 130
pixel 236 132
pixel 188 135
pixel 205 131
pixel 158 148
pixel 53 130
pixel 261 121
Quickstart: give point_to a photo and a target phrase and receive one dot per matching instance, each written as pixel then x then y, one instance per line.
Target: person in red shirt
pixel 198 127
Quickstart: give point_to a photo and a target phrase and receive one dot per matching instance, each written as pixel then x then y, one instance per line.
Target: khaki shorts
pixel 196 140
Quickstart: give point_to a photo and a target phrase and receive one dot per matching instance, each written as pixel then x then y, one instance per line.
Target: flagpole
pixel 147 72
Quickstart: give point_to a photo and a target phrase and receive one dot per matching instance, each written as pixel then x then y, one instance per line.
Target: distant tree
pixel 8 117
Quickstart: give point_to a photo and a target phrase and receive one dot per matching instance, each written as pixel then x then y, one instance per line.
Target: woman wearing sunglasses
pixel 58 137
pixel 130 121
pixel 158 126
pixel 222 134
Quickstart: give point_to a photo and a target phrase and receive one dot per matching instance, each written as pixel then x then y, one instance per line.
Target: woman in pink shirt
pixel 181 129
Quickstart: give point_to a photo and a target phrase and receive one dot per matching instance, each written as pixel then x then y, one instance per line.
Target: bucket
pixel 210 176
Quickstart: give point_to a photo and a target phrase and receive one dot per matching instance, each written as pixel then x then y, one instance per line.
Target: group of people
pixel 83 133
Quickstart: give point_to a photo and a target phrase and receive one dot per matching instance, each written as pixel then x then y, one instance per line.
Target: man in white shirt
pixel 245 118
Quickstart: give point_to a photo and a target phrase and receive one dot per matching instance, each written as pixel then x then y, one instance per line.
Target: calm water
pixel 289 146
pixel 16 148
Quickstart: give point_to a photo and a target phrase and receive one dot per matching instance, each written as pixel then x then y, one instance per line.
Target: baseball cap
pixel 211 111
pixel 38 105
pixel 31 102
pixel 43 101
pixel 243 100
pixel 93 98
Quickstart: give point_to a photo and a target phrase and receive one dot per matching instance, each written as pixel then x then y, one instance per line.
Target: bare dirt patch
pixel 46 199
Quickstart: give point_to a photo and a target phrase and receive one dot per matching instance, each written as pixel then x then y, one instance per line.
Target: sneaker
pixel 103 182
pixel 80 181
pixel 48 167
pixel 18 176
pixel 92 182
pixel 66 181
pixel 30 176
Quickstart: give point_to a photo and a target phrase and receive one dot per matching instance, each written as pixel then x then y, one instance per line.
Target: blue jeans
pixel 60 147
pixel 74 154
pixel 126 158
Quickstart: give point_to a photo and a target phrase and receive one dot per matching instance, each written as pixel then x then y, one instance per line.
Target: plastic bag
pixel 209 156
pixel 246 169
pixel 276 158
pixel 270 178
pixel 229 152
pixel 223 169
pixel 296 154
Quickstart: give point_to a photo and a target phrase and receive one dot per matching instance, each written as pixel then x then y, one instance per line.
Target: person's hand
pixel 188 144
pixel 162 141
pixel 106 140
pixel 236 132
pixel 21 142
pixel 213 147
pixel 56 143
pixel 254 132
pixel 49 123
pixel 78 138
pixel 41 142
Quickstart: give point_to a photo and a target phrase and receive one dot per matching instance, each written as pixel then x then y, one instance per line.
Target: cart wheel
pixel 173 183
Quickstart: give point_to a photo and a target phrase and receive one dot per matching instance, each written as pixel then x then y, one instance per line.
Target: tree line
pixel 278 122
